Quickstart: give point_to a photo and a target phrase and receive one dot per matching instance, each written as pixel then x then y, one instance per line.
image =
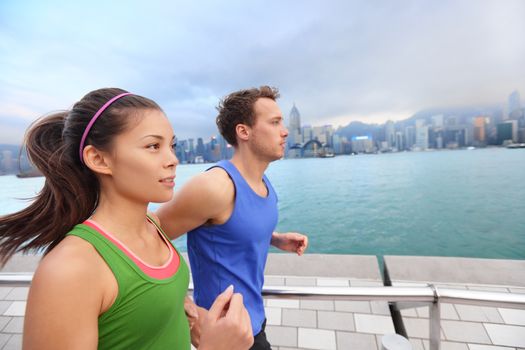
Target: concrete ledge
pixel 317 265
pixel 324 265
pixel 22 263
pixel 455 270
pixel 321 265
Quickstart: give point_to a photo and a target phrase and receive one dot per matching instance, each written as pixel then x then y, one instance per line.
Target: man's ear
pixel 97 160
pixel 243 131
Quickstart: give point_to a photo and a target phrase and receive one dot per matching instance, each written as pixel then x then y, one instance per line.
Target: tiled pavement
pixel 291 323
pixel 463 327
pixel 325 324
pixel 337 324
pixel 468 327
pixel 12 309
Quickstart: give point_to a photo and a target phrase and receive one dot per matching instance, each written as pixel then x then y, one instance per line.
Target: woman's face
pixel 142 159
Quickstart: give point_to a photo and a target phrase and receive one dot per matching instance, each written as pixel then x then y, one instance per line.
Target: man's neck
pixel 250 167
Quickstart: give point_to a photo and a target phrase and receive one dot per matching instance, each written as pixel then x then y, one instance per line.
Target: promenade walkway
pixel 297 323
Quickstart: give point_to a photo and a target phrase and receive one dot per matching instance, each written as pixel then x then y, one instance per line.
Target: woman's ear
pixel 96 160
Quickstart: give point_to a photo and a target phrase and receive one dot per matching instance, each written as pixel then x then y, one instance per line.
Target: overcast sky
pixel 339 61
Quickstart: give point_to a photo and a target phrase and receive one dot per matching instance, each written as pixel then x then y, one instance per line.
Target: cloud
pixel 343 59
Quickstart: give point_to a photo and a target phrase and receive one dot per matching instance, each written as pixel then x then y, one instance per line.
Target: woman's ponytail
pixel 71 190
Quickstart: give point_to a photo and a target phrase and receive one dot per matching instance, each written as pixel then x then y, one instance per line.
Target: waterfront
pixel 444 203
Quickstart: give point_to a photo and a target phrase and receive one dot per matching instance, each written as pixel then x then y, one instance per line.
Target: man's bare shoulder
pixel 215 184
pixel 218 176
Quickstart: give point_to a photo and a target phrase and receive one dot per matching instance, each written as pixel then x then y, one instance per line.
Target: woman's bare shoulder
pixel 73 258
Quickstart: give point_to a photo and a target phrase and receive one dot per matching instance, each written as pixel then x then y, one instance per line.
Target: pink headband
pixel 92 121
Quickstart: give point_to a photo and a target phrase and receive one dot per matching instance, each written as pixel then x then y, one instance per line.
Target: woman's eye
pixel 174 145
pixel 153 146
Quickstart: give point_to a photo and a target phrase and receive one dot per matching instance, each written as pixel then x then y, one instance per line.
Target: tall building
pixel 507 132
pixel 319 134
pixel 514 103
pixel 181 151
pixel 514 129
pixel 214 153
pixel 422 137
pixel 521 135
pixel 400 145
pixel 362 144
pixel 337 144
pixel 294 127
pixel 455 136
pixel 307 133
pixel 420 123
pixel 479 130
pixel 323 134
pixel 438 121
pixel 199 151
pixel 390 135
pixel 223 147
pixel 410 137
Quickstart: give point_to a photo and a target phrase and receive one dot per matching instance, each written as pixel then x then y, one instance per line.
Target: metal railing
pixel 404 298
pixel 400 297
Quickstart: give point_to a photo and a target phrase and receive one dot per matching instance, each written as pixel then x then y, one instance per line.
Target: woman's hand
pixel 227 325
pixel 196 315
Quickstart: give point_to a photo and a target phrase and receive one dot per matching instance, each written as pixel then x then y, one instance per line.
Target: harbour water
pixel 442 203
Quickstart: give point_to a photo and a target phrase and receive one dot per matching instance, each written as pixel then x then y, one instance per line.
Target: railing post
pixel 435 325
pixel 435 320
pixel 395 342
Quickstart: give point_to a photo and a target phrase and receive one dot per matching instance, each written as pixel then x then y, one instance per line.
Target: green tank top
pixel 148 313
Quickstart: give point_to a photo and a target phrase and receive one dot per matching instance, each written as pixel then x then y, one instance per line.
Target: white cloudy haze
pixel 339 61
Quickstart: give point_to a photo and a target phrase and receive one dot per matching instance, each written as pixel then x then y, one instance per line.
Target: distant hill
pixel 462 115
pixel 358 129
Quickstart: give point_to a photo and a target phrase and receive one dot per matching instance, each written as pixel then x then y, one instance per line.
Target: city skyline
pixel 452 129
pixel 349 61
pixel 286 117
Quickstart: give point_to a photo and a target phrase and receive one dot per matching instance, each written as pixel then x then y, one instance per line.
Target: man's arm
pixel 290 241
pixel 208 197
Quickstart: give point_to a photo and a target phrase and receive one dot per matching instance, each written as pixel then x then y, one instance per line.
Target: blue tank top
pixel 236 251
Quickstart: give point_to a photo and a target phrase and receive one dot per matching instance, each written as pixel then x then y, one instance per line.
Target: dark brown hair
pixel 71 190
pixel 237 108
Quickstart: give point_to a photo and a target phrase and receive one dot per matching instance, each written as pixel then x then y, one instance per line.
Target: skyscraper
pixel 421 134
pixel 295 119
pixel 479 130
pixel 200 147
pixel 410 137
pixel 514 103
pixel 400 145
pixel 390 135
pixel 307 133
pixel 507 132
pixel 438 121
pixel 422 137
pixel 294 127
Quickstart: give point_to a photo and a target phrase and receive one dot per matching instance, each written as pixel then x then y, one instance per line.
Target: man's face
pixel 268 132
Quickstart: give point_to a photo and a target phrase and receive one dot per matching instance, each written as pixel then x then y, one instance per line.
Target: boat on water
pixel 327 155
pixel 30 173
pixel 516 145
